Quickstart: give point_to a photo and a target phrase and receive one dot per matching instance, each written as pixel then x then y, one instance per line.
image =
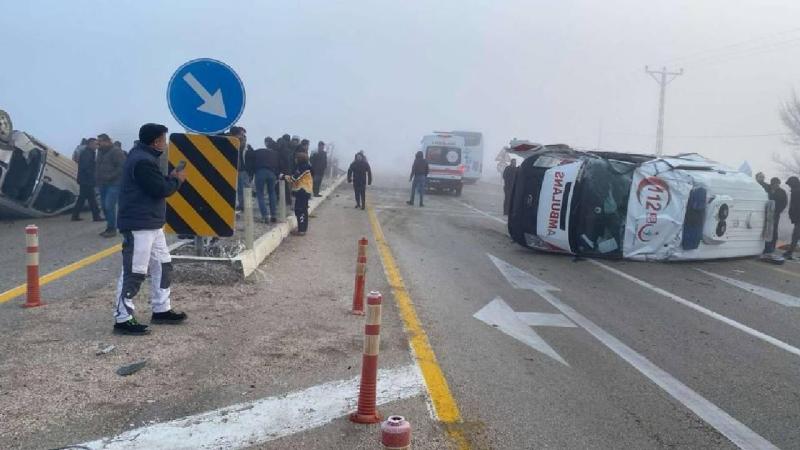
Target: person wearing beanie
pixel 302 186
pixel 360 174
pixel 141 219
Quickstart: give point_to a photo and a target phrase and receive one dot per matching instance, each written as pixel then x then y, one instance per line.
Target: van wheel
pixel 458 191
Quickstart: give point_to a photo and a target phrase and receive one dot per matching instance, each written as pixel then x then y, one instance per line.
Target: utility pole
pixel 663 78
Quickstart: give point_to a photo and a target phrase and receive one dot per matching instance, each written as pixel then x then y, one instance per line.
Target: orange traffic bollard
pixel 396 433
pixel 361 272
pixel 367 393
pixel 33 297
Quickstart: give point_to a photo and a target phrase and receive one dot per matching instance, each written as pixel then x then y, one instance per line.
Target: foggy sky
pixel 377 75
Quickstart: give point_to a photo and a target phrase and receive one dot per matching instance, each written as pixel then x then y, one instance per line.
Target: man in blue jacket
pixel 141 218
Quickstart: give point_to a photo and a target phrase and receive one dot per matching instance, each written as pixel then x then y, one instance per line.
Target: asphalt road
pixel 625 355
pixel 61 242
pixel 701 363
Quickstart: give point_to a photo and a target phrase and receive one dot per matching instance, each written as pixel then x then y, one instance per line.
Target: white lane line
pixel 740 326
pixel 468 206
pixel 769 294
pixel 252 423
pixel 737 432
pixel 731 428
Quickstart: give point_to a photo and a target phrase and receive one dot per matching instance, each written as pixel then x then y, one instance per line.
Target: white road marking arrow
pixel 212 104
pixel 498 314
pixel 735 431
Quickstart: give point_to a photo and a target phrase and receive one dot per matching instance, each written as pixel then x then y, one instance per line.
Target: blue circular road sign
pixel 205 96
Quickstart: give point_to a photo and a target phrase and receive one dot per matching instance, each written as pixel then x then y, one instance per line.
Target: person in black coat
pixel 287 162
pixel 777 195
pixel 360 174
pixel 319 162
pixel 87 180
pixel 509 174
pixel 794 215
pixel 418 177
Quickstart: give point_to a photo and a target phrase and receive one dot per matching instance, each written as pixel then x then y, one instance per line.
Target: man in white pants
pixel 141 218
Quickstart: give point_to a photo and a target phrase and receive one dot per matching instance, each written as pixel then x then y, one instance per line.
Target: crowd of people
pixel 100 170
pixel 778 195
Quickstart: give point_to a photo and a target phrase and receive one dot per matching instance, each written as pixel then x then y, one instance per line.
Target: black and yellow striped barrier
pixel 204 204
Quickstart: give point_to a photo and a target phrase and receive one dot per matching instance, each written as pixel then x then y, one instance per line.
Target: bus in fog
pixel 473 154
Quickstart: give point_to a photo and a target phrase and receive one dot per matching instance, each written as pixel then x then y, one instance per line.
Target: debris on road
pixel 131 369
pixel 104 350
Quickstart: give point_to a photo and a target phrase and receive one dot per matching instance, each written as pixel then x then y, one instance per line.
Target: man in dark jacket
pixel 266 168
pixel 509 174
pixel 319 162
pixel 777 195
pixel 142 214
pixel 794 215
pixel 287 162
pixel 419 177
pixel 360 174
pixel 87 180
pixel 110 159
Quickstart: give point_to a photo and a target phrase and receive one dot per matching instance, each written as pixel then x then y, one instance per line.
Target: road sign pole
pixel 248 217
pixel 281 201
pixel 199 246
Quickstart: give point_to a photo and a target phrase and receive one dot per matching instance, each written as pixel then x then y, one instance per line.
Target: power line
pixel 726 48
pixel 745 52
pixel 705 136
pixel 664 79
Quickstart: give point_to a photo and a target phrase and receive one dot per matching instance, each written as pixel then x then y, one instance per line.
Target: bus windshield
pixel 599 210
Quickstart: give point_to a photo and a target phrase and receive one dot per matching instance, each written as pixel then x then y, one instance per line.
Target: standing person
pixel 110 160
pixel 360 174
pixel 87 180
pixel 777 195
pixel 509 174
pixel 794 215
pixel 302 186
pixel 419 177
pixel 142 214
pixel 243 178
pixel 77 152
pixel 319 162
pixel 287 162
pixel 266 167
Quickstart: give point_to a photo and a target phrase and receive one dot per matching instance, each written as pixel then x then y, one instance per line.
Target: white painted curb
pixel 269 241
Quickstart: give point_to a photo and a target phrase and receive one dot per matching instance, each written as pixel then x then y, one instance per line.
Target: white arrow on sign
pixel 212 104
pixel 518 325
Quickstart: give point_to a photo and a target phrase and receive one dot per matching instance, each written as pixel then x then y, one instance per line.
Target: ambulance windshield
pixel 599 210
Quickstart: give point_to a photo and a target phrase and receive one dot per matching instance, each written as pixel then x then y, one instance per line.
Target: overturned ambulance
pixel 35 180
pixel 643 207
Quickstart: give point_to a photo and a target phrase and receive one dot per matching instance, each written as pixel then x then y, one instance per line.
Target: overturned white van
pixel 35 180
pixel 642 207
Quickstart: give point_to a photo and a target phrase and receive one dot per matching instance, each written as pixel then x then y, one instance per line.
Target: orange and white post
pixel 361 272
pixel 33 297
pixel 367 411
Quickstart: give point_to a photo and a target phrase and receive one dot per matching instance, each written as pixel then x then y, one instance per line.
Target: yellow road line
pixel 64 271
pixel 444 404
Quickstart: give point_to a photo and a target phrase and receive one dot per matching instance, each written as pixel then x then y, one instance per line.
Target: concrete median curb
pixel 249 260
